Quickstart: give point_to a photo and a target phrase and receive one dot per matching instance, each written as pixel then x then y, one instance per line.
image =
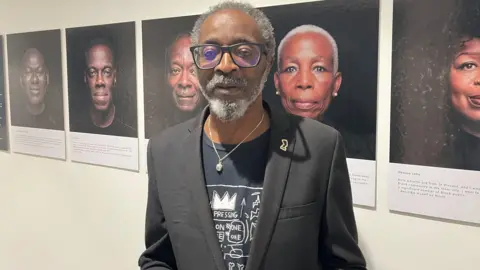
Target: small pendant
pixel 219 167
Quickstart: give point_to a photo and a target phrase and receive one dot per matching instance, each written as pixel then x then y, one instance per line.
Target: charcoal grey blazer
pixel 306 219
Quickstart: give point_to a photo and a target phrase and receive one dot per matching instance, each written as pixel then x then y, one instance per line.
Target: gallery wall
pixel 61 214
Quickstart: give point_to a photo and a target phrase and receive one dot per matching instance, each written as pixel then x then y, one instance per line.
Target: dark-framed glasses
pixel 244 55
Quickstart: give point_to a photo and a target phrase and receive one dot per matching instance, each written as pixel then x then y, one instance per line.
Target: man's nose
pixel 35 78
pixel 99 80
pixel 304 81
pixel 184 82
pixel 226 64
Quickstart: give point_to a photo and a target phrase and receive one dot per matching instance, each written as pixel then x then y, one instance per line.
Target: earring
pixel 277 93
pixel 335 94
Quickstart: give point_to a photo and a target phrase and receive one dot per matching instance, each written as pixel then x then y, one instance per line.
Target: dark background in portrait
pixel 122 36
pixel 49 44
pixel 354 25
pixel 3 106
pixel 160 109
pixel 422 128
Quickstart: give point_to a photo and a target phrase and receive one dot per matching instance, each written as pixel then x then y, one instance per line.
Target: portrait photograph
pixel 327 72
pixel 434 166
pixel 171 88
pixel 102 89
pixel 35 80
pixel 3 105
pixel 435 116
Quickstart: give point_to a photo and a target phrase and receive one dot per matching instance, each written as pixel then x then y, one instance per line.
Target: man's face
pixel 229 88
pixel 306 79
pixel 100 76
pixel 182 77
pixel 465 80
pixel 34 78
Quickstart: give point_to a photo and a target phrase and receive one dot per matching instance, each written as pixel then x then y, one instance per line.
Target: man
pixel 307 78
pixel 34 82
pixel 100 76
pixel 181 75
pixel 243 186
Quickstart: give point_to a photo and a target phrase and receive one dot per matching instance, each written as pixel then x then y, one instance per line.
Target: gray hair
pixel 308 28
pixel 260 18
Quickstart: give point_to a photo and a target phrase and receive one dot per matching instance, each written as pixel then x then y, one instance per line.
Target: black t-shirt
pixel 50 118
pixel 83 124
pixel 235 194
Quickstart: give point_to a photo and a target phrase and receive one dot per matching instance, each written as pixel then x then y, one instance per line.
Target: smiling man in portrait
pixel 181 74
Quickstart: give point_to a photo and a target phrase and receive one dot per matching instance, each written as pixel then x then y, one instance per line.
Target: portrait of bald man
pixel 102 91
pixel 35 80
pixel 171 87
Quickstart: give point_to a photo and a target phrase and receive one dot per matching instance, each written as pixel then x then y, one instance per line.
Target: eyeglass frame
pixel 228 48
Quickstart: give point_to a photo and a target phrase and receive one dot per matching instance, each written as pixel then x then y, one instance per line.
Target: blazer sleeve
pixel 338 243
pixel 159 253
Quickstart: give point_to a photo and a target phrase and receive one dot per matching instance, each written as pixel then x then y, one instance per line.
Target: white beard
pixel 227 111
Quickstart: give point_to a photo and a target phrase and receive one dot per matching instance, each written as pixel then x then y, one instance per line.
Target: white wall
pixel 60 215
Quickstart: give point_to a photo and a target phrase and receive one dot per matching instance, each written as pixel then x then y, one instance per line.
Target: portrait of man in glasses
pixel 237 188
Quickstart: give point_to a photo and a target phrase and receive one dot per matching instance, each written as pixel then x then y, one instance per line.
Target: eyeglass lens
pixel 244 55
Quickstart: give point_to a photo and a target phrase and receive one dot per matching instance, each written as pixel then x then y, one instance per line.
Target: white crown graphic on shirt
pixel 225 203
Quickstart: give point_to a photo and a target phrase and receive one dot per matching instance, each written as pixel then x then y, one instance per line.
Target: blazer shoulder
pixel 171 136
pixel 318 130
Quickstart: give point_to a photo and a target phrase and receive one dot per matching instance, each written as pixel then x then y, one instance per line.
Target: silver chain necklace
pixel 219 166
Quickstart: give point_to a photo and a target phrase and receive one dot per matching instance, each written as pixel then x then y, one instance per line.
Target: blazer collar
pixel 282 141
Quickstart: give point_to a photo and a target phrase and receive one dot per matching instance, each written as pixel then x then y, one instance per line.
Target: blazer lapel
pixel 280 150
pixel 196 178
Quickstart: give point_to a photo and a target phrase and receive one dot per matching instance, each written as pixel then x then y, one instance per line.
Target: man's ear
pixel 85 77
pixel 48 78
pixel 337 83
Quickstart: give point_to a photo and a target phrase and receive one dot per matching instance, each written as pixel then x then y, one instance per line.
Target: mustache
pixel 225 80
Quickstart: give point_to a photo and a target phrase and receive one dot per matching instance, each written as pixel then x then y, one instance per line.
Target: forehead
pixel 315 43
pixel 33 58
pixel 470 46
pixel 99 53
pixel 181 45
pixel 229 26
